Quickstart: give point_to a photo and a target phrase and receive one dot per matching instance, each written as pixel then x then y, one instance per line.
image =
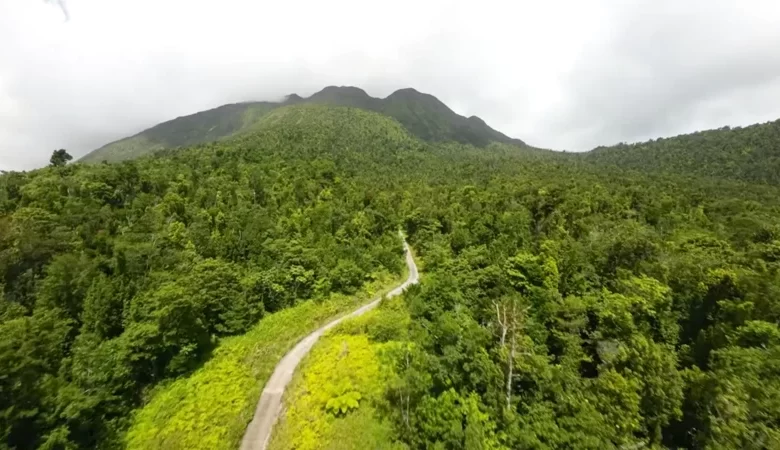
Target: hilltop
pixel 423 115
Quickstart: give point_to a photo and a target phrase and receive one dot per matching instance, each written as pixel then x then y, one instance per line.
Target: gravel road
pixel 268 408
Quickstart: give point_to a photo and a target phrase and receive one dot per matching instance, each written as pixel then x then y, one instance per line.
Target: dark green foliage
pixel 428 118
pixel 60 158
pixel 204 126
pixel 32 350
pixel 344 96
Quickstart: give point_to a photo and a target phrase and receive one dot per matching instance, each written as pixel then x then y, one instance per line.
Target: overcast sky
pixel 561 74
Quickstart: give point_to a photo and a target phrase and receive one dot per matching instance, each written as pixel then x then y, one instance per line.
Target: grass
pixel 333 399
pixel 210 408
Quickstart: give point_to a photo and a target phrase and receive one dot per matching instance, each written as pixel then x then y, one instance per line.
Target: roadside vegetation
pixel 336 398
pixel 210 408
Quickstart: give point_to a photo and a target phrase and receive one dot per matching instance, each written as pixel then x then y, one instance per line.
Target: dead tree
pixel 510 318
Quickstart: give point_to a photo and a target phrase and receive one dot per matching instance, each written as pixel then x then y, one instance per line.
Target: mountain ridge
pixel 423 115
pixel 750 153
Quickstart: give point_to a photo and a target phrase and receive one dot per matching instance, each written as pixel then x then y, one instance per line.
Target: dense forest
pixel 750 153
pixel 565 302
pixel 565 308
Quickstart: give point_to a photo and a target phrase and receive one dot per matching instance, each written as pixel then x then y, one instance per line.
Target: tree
pixel 510 319
pixel 59 158
pixel 31 352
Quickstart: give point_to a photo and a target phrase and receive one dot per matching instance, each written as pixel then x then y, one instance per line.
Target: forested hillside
pixel 198 128
pixel 750 154
pixel 423 115
pixel 563 304
pixel 117 277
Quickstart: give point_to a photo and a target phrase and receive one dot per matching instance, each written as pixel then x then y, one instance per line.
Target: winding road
pixel 268 408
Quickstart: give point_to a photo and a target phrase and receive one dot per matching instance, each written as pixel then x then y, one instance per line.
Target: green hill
pixel 749 154
pixel 422 114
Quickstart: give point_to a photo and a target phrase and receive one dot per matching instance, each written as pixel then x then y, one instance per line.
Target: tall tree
pixel 59 158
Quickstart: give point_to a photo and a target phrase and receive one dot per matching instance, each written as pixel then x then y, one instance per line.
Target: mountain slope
pixel 430 119
pixel 749 154
pixel 204 126
pixel 422 114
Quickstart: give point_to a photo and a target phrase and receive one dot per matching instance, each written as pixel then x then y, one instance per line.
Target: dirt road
pixel 270 405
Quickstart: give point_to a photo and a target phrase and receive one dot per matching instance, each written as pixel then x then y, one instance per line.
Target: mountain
pixel 748 154
pixel 423 115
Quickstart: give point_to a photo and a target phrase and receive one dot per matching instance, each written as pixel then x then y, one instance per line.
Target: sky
pixel 561 74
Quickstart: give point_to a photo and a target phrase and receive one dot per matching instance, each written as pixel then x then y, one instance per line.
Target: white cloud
pixel 561 74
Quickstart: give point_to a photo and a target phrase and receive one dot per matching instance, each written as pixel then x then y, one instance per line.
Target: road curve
pixel 268 408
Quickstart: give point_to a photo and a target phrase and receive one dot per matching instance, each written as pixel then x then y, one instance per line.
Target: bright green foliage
pixel 338 377
pixel 210 408
pixel 343 403
pixel 584 322
pixel 742 399
pixel 334 401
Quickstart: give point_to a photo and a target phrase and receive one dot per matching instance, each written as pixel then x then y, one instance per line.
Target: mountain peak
pixel 406 92
pixel 345 96
pixel 477 120
pixel 423 115
pixel 342 90
pixel 293 98
pixel 415 96
pixel 411 94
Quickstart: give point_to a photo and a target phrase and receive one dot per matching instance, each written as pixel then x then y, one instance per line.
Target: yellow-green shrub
pixel 211 408
pixel 331 402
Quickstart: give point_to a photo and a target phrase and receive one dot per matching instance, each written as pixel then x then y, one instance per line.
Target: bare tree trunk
pixel 510 321
pixel 511 362
pixel 501 320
